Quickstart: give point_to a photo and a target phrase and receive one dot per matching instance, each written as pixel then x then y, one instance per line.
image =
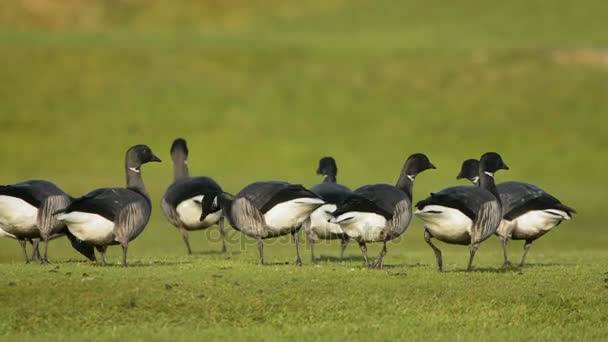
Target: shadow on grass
pixel 214 252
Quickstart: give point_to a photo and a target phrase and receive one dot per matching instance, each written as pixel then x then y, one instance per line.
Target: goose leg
pixel 296 237
pixel 261 250
pixel 427 238
pixel 363 247
pixel 526 250
pixel 124 254
pixel 379 264
pixel 223 233
pixel 506 262
pixel 23 247
pixel 102 252
pixel 45 258
pixel 184 233
pixel 36 250
pixel 343 245
pixel 311 242
pixel 474 247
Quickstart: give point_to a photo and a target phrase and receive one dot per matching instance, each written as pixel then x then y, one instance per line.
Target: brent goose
pixel 264 210
pixel 111 216
pixel 183 201
pixel 381 212
pixel 464 215
pixel 318 226
pixel 26 214
pixel 529 212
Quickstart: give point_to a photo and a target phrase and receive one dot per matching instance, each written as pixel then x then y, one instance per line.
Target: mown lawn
pixel 262 90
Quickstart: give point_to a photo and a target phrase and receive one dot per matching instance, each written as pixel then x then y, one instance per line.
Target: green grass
pixel 261 90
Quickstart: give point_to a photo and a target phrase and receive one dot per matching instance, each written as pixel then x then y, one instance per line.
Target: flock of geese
pixel 38 210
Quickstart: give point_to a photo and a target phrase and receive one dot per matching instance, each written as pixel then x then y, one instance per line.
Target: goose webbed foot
pixel 261 251
pixel 102 252
pixel 437 251
pixel 124 255
pixel 223 233
pixel 526 250
pixel 379 264
pixel 184 234
pixel 311 242
pixel 507 264
pixel 343 245
pixel 363 247
pixel 23 243
pixel 36 250
pixel 296 237
pixel 44 260
pixel 474 247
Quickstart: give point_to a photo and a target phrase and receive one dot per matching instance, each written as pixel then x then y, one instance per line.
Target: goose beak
pixel 505 167
pixel 154 158
pixel 432 166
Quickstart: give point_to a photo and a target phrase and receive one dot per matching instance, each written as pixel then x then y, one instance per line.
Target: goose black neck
pixel 406 182
pixel 487 182
pixel 329 179
pixel 134 179
pixel 180 169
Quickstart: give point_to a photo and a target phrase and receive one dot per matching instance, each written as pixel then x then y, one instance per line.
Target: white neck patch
pixel 411 177
pixel 134 169
pixel 475 180
pixel 489 173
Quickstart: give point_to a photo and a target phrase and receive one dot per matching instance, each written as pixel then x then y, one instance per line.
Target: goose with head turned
pixel 183 201
pixel 26 214
pixel 264 210
pixel 318 226
pixel 112 216
pixel 529 212
pixel 464 215
pixel 381 212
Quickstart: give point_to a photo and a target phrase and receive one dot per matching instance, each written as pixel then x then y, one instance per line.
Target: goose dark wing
pixel 358 203
pixel 518 198
pixel 467 199
pixel 333 193
pixel 265 195
pixel 33 192
pixel 385 196
pixel 106 202
pixel 186 188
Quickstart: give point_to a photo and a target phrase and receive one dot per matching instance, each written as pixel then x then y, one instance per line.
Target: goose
pixel 464 215
pixel 318 226
pixel 26 214
pixel 183 200
pixel 111 216
pixel 381 212
pixel 529 212
pixel 264 210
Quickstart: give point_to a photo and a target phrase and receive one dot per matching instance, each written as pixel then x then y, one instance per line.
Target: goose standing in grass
pixel 26 214
pixel 381 212
pixel 318 226
pixel 183 201
pixel 464 215
pixel 529 212
pixel 264 210
pixel 111 216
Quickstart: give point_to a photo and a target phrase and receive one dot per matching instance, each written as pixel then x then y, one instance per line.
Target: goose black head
pixel 415 164
pixel 327 167
pixel 469 170
pixel 179 149
pixel 139 155
pixel 491 162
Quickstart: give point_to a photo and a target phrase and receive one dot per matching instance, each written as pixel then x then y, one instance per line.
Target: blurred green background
pixel 262 89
